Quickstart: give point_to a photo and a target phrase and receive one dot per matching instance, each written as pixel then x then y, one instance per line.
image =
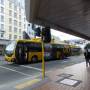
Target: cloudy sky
pixel 63 36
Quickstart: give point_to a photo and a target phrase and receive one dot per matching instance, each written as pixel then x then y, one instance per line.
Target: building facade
pixel 12 19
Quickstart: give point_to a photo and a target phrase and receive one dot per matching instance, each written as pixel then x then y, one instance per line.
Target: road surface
pixel 12 74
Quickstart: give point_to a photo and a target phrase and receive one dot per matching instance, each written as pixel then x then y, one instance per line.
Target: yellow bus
pixel 67 50
pixel 26 51
pixel 75 50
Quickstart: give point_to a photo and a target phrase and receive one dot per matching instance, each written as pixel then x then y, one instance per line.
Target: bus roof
pixel 28 40
pixel 38 40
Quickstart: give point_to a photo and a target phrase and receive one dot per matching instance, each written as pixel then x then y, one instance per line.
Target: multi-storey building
pixel 12 19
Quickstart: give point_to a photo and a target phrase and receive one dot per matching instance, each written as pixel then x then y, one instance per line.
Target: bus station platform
pixel 75 77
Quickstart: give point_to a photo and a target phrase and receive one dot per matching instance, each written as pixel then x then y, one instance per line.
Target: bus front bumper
pixel 9 59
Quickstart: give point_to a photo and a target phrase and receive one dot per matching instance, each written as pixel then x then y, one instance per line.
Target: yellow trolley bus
pixel 25 51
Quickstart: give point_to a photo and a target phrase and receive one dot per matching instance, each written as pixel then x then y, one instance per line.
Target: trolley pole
pixel 43 60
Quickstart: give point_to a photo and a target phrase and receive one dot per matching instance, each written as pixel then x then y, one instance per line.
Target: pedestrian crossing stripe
pixel 27 84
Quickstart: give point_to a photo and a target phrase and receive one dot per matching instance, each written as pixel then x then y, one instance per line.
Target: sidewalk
pixel 2 60
pixel 78 76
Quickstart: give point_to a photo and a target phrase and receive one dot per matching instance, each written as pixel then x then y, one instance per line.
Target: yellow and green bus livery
pixel 25 51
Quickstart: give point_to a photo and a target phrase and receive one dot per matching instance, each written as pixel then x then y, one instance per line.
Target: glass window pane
pixel 15 36
pixel 2 18
pixel 2 35
pixel 10 28
pixel 19 37
pixel 10 20
pixel 2 9
pixel 15 15
pixel 10 36
pixel 10 12
pixel 20 17
pixel 20 24
pixel 15 29
pixel 11 46
pixel 15 22
pixel 19 30
pixel 15 8
pixel 2 27
pixel 10 5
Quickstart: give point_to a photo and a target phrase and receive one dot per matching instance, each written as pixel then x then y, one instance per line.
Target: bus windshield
pixel 11 46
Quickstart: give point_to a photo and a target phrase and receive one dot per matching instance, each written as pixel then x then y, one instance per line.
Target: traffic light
pixel 46 34
pixel 38 32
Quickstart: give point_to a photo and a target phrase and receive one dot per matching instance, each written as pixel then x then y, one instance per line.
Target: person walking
pixel 87 54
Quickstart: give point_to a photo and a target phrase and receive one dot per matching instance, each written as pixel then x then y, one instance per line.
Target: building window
pixel 2 35
pixel 10 20
pixel 15 29
pixel 20 10
pixel 15 15
pixel 2 18
pixel 2 2
pixel 10 5
pixel 19 24
pixel 10 28
pixel 10 36
pixel 19 30
pixel 2 27
pixel 19 17
pixel 2 9
pixel 19 37
pixel 15 22
pixel 10 12
pixel 15 8
pixel 15 36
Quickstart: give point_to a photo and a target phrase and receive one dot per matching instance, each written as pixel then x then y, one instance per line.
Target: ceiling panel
pixel 70 16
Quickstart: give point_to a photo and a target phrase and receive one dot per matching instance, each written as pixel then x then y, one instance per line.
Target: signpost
pixel 45 35
pixel 43 60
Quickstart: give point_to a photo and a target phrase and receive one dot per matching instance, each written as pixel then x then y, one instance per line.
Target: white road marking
pixel 32 67
pixel 15 71
pixel 19 81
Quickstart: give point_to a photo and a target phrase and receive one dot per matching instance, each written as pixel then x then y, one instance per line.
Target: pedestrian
pixel 87 54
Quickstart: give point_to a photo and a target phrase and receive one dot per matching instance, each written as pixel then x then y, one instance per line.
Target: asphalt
pixel 12 75
pixel 55 64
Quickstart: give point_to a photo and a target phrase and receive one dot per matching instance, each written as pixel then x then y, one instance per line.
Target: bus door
pixel 54 50
pixel 20 53
pixel 60 54
pixel 59 51
pixel 47 51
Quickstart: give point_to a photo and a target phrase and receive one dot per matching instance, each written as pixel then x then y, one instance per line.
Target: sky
pixel 63 36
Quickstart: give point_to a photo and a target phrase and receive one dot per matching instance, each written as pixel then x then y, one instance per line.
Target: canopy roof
pixel 69 16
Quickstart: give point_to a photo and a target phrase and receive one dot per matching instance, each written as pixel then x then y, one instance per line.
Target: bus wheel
pixel 16 61
pixel 34 59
